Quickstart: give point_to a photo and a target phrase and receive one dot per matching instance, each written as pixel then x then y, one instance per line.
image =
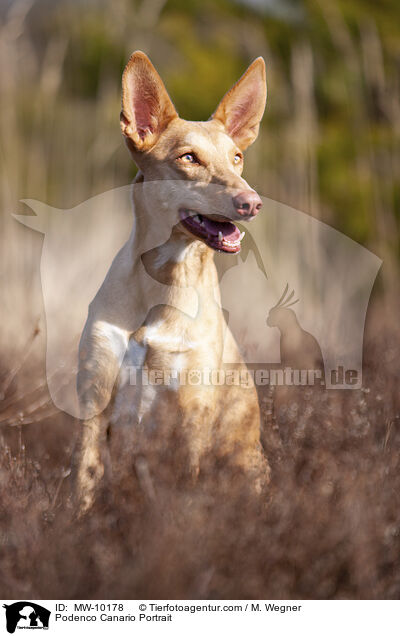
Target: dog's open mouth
pixel 220 235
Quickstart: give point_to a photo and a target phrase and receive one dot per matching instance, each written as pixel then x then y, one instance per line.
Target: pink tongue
pixel 229 230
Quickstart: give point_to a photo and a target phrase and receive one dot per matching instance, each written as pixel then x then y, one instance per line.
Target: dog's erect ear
pixel 146 106
pixel 243 106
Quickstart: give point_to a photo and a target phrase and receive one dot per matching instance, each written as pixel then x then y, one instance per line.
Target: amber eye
pixel 237 158
pixel 189 157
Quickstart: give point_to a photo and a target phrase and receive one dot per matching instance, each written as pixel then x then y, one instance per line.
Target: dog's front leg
pixel 101 351
pixel 89 462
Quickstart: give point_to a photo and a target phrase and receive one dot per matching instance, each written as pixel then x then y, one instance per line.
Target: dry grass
pixel 329 526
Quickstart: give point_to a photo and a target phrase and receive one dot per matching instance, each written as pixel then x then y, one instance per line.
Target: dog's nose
pixel 247 203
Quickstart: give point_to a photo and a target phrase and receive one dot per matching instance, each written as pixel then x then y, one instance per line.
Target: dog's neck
pixel 178 260
pixel 182 262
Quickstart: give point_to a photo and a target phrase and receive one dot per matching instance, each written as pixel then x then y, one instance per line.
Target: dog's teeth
pixel 241 235
pixel 197 218
pixel 220 237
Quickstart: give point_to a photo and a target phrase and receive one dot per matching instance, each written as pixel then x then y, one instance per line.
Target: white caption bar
pixel 177 617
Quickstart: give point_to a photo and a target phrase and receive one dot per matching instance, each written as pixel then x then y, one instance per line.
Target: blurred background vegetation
pixel 329 142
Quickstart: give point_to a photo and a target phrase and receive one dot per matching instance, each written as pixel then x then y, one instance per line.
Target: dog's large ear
pixel 146 106
pixel 242 108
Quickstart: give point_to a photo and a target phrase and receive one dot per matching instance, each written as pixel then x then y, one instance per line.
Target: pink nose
pixel 247 203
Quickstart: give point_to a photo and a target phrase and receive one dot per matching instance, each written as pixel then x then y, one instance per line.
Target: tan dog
pixel 159 308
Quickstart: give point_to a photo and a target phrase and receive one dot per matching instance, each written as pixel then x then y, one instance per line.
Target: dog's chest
pixel 175 341
pixel 158 360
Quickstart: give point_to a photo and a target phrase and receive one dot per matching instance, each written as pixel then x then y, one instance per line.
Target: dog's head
pixel 191 171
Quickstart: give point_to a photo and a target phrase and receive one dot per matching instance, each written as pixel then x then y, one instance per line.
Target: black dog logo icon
pixel 26 615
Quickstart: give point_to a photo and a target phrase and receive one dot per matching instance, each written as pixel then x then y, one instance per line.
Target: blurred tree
pixel 329 142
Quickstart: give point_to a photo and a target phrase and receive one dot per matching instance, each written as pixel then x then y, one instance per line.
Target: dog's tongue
pixel 229 230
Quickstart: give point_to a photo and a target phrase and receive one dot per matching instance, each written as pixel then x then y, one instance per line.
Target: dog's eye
pixel 189 157
pixel 237 158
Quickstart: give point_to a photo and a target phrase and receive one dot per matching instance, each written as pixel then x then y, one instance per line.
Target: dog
pixel 159 307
